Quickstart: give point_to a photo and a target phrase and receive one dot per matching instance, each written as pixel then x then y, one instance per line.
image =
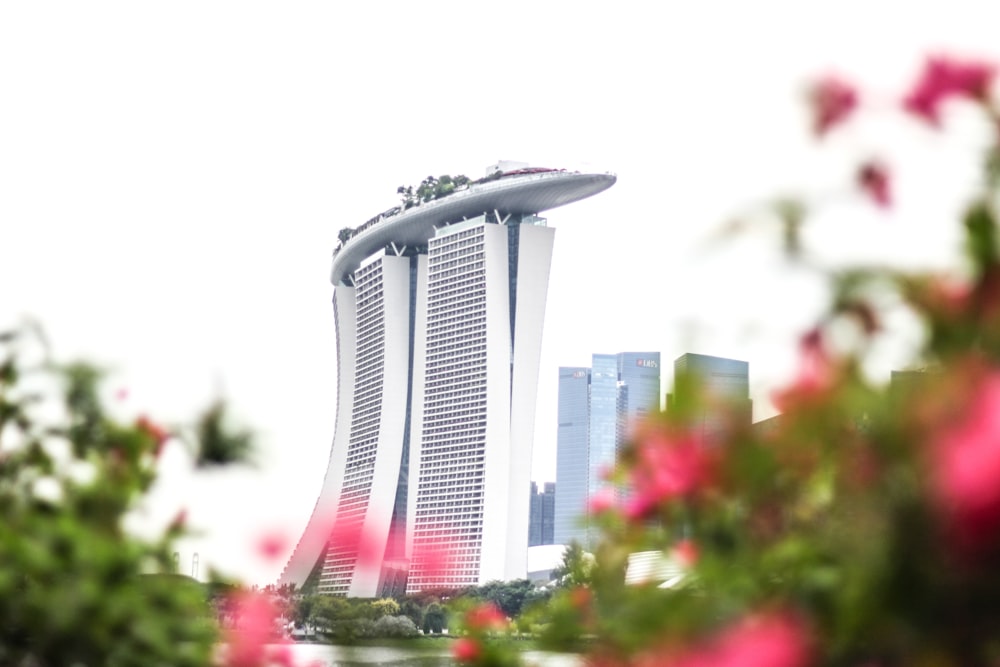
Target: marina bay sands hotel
pixel 439 306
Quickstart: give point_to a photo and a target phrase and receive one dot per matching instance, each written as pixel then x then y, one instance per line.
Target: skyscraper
pixel 596 407
pixel 542 507
pixel 439 307
pixel 725 384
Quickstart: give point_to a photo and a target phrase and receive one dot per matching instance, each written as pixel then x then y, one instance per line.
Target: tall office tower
pixel 439 306
pixel 726 383
pixel 540 522
pixel 597 406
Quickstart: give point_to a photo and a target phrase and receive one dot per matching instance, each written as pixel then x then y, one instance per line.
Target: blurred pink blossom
pixel 833 101
pixel 759 640
pixel 943 78
pixel 814 377
pixel 485 616
pixel 671 464
pixel 466 649
pixel 271 546
pixel 159 434
pixel 252 631
pixel 602 501
pixel 874 180
pixel 685 552
pixel 965 469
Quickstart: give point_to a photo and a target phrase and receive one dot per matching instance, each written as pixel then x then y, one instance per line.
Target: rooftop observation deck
pixel 520 192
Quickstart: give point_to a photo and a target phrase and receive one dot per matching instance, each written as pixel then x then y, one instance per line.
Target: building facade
pixel 725 391
pixel 540 523
pixel 597 406
pixel 439 309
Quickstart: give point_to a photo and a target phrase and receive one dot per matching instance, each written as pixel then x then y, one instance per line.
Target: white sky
pixel 173 177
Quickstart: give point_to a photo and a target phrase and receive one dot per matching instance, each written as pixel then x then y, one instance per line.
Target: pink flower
pixel 833 101
pixel 178 522
pixel 759 640
pixel 670 465
pixel 485 616
pixel 272 545
pixel 602 501
pixel 814 378
pixel 466 650
pixel 281 655
pixel 434 560
pixel 873 179
pixel 965 470
pixel 943 78
pixel 253 630
pixel 159 434
pixel 349 540
pixel 764 640
pixel 685 552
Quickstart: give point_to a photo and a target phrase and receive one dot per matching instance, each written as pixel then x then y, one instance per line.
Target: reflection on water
pixel 391 656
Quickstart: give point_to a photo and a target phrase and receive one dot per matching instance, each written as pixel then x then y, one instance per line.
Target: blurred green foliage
pixel 75 587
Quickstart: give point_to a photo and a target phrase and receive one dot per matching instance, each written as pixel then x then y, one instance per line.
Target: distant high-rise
pixel 596 407
pixel 439 306
pixel 540 525
pixel 726 385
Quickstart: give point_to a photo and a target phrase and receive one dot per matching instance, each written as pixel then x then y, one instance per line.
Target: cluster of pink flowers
pixel 945 78
pixel 833 101
pixel 815 376
pixel 479 621
pixel 671 463
pixel 485 617
pixel 760 640
pixel 965 470
pixel 251 642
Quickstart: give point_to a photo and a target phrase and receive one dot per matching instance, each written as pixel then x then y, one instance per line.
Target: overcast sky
pixel 173 177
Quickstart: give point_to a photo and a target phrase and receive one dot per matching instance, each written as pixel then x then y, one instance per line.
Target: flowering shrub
pixel 862 525
pixel 75 587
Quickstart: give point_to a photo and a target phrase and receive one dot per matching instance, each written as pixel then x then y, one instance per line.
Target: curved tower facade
pixel 439 310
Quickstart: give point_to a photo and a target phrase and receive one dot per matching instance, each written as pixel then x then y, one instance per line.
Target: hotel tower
pixel 439 307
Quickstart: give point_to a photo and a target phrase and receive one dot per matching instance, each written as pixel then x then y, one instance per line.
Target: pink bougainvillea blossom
pixel 765 640
pixel 759 640
pixel 965 470
pixel 943 78
pixel 833 101
pixel 253 629
pixel 602 501
pixel 814 377
pixel 685 552
pixel 671 464
pixel 272 545
pixel 179 521
pixel 875 181
pixel 485 616
pixel 159 434
pixel 434 559
pixel 466 649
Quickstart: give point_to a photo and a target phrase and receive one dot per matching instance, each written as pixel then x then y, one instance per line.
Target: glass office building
pixel 597 407
pixel 726 386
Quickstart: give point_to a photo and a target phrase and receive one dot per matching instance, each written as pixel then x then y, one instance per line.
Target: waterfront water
pixel 391 656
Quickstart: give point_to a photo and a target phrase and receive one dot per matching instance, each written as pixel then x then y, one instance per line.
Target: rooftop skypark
pixel 520 191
